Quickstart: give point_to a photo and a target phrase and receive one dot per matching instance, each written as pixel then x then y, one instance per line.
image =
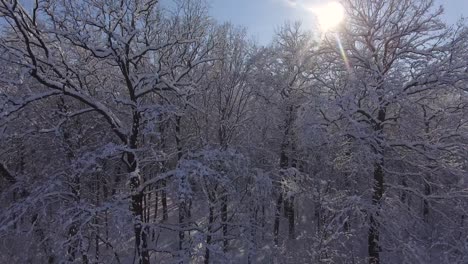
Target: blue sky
pixel 261 17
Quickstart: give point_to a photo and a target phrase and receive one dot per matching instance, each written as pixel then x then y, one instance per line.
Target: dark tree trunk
pixel 182 223
pixel 182 200
pixel 96 218
pixel 164 200
pixel 253 235
pixel 73 229
pixel 138 211
pixel 277 218
pixel 156 201
pixel 155 216
pixel 209 235
pixel 71 251
pixel 462 225
pixel 147 205
pixel 137 197
pixel 404 195
pixel 317 215
pixel 286 161
pixel 162 184
pixel 6 174
pixel 291 217
pixel 140 232
pixel 374 232
pixel 105 192
pixel 427 186
pixel 224 219
pixel 378 191
pixel 427 192
pixel 263 222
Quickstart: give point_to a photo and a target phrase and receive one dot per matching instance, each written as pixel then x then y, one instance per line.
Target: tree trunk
pixel 155 216
pixel 427 192
pixel 404 194
pixel 291 217
pixel 164 200
pixel 140 232
pixel 374 232
pixel 137 197
pixel 96 218
pixel 224 219
pixel 427 186
pixel 317 212
pixel 182 217
pixel 156 201
pixel 208 236
pixel 105 191
pixel 263 221
pixel 73 229
pixel 182 200
pixel 378 190
pixel 162 183
pixel 138 211
pixel 277 218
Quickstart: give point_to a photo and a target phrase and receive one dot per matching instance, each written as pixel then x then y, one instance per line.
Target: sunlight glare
pixel 329 15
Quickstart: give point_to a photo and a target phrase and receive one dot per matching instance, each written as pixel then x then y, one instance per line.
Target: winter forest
pixel 137 132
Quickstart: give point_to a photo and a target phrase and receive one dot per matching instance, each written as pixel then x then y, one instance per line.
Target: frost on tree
pixel 140 131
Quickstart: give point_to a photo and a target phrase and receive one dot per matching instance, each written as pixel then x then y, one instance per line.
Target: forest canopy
pixel 136 132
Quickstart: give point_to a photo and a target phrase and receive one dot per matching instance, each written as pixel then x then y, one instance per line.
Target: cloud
pixel 305 4
pixel 292 3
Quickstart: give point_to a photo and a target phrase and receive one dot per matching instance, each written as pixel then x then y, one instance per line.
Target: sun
pixel 329 15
